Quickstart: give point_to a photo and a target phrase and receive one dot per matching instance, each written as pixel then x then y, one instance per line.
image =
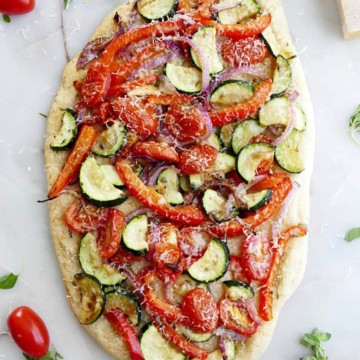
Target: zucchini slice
pixel 92 298
pixel 231 92
pixel 184 183
pixel 274 46
pixel 193 335
pixel 250 157
pixel 135 235
pixel 92 264
pixel 287 153
pixel 214 141
pixel 229 348
pixel 125 301
pixel 282 76
pixel 226 133
pixel 255 201
pixel 205 39
pixel 243 133
pixel 238 290
pixel 185 79
pixel 215 204
pixel 300 117
pixel 111 140
pixel 96 187
pixel 168 185
pixel 66 137
pixel 155 347
pixel 156 9
pixel 213 264
pixel 247 9
pixel 276 111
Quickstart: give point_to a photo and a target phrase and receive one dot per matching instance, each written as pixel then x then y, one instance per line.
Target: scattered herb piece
pixel 8 281
pixel 354 126
pixel 313 341
pixel 67 3
pixel 43 115
pixel 6 18
pixel 352 234
pixel 51 355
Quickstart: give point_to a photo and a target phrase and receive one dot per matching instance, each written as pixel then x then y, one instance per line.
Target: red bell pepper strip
pixel 120 324
pixel 188 215
pixel 236 226
pixel 267 286
pixel 123 89
pixel 169 99
pixel 204 9
pixel 243 110
pixel 156 150
pixel 79 152
pixel 241 31
pixel 187 347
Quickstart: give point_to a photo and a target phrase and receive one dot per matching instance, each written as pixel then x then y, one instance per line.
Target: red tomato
pixel 256 256
pixel 109 237
pixel 16 7
pixel 81 217
pixel 185 122
pixel 236 317
pixel 156 150
pixel 247 51
pixel 237 269
pixel 138 116
pixel 194 241
pixel 201 309
pixel 197 159
pixel 29 331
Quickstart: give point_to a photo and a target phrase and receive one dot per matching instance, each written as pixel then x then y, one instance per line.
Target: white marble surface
pixel 31 61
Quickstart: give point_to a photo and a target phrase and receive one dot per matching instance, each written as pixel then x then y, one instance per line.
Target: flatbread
pixel 67 245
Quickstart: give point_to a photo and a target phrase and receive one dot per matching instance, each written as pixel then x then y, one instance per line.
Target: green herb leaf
pixel 67 3
pixel 354 126
pixel 50 355
pixel 8 281
pixel 313 341
pixel 6 18
pixel 352 234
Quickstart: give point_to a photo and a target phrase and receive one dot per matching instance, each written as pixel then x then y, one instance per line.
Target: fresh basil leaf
pixel 354 126
pixel 310 340
pixel 313 341
pixel 8 281
pixel 309 358
pixel 67 3
pixel 6 18
pixel 50 355
pixel 321 336
pixel 352 234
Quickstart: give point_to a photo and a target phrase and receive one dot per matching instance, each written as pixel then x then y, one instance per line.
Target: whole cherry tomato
pixel 16 7
pixel 29 332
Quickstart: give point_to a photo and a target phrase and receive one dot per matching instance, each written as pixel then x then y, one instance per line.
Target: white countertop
pixel 31 62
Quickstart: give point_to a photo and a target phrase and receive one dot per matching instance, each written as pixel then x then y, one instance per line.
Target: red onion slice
pixel 251 308
pixel 222 331
pixel 288 129
pixel 222 7
pixel 136 213
pixel 153 64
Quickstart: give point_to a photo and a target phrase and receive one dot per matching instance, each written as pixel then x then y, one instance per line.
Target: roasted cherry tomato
pixel 29 331
pixel 186 122
pixel 140 116
pixel 235 316
pixel 82 217
pixel 237 270
pixel 109 237
pixel 197 159
pixel 132 84
pixel 156 150
pixel 16 7
pixel 201 309
pixel 247 51
pixel 194 241
pixel 256 256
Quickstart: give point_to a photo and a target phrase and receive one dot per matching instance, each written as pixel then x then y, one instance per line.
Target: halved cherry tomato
pixel 186 346
pixel 256 256
pixel 267 286
pixel 194 241
pixel 236 317
pixel 243 110
pixel 187 215
pixel 169 99
pixel 251 50
pixel 197 159
pixel 234 178
pixel 123 257
pixel 138 116
pixel 96 84
pixel 120 324
pixel 16 7
pixel 237 269
pixel 78 154
pixel 186 122
pixel 131 85
pixel 82 217
pixel 109 237
pixel 201 309
pixel 29 331
pixel 156 150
